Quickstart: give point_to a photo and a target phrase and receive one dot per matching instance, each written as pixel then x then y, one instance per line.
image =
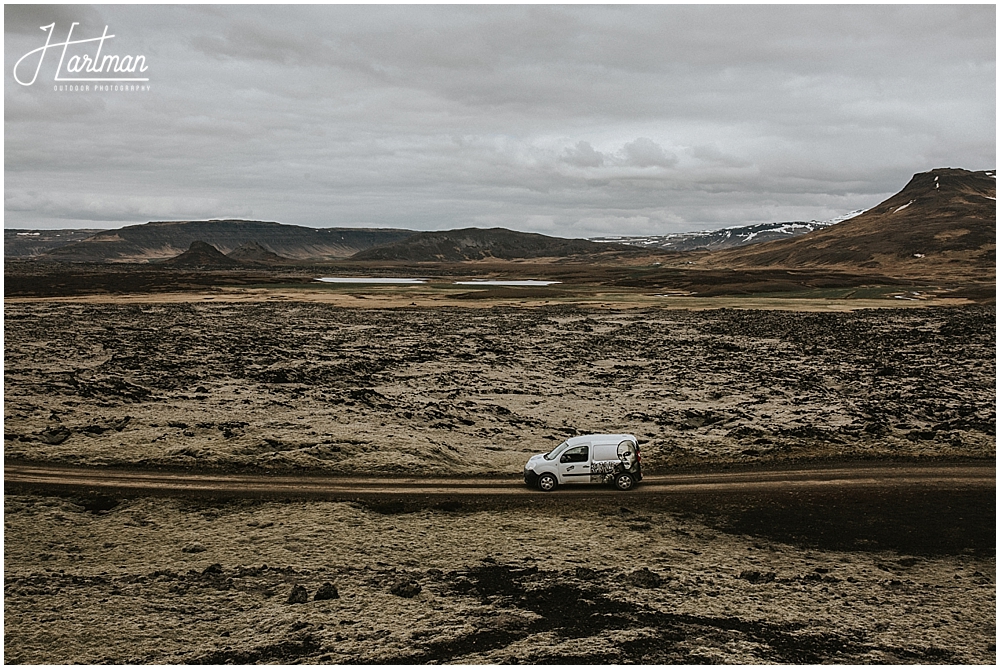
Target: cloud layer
pixel 573 121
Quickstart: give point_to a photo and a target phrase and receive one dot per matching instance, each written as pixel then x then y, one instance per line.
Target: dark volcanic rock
pixel 755 576
pixel 326 591
pixel 55 435
pixel 98 503
pixel 644 578
pixel 298 595
pixel 405 588
pixel 212 570
pixel 193 547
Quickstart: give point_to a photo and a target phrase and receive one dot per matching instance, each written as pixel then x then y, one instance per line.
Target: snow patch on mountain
pixel 740 235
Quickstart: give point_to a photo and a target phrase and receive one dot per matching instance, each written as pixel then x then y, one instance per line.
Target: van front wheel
pixel 546 482
pixel 624 481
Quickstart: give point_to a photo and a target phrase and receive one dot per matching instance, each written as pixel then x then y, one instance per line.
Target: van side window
pixel 577 454
pixel 605 452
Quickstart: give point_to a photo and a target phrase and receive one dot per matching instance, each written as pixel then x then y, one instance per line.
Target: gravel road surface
pixel 180 483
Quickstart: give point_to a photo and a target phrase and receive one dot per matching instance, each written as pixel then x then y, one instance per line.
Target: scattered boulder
pixel 54 435
pixel 119 425
pixel 193 547
pixel 405 587
pixel 98 503
pixel 212 570
pixel 585 573
pixel 298 595
pixel 755 576
pixel 644 578
pixel 326 591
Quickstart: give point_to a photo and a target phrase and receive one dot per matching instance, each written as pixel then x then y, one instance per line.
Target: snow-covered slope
pixel 726 237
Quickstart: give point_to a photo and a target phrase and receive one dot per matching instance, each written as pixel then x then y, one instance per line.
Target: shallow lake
pixel 366 279
pixel 400 280
pixel 525 282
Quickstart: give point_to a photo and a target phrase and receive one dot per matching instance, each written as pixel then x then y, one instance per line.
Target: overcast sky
pixel 574 121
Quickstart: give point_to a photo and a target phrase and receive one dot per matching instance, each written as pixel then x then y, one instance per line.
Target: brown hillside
pixel 201 254
pixel 479 244
pixel 945 217
pixel 252 253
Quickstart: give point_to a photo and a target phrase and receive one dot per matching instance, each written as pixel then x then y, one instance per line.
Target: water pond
pixel 369 279
pixel 524 282
pixel 401 280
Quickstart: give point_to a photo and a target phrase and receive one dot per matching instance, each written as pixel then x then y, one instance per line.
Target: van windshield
pixel 552 454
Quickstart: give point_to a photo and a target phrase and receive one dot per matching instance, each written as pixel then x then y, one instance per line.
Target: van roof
pixel 588 438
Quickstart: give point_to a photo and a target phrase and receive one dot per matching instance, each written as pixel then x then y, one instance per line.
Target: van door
pixel 574 465
pixel 604 462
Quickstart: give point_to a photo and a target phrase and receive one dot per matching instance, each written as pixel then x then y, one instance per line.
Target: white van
pixel 590 458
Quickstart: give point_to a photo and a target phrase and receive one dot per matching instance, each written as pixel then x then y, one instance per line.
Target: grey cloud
pixel 582 154
pixel 258 41
pixel 117 207
pixel 711 154
pixel 435 117
pixel 644 152
pixel 27 19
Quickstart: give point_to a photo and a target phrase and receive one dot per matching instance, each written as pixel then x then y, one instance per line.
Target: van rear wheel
pixel 546 482
pixel 624 481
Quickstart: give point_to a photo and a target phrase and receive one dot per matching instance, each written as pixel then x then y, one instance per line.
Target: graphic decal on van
pixel 601 471
pixel 626 453
pixel 604 470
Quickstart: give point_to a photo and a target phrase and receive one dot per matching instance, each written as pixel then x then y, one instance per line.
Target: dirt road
pixel 49 477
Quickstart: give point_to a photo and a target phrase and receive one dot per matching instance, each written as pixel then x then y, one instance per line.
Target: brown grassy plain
pixel 359 381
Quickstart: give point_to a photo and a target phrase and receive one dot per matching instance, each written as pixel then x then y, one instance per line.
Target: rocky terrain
pixel 746 580
pixel 474 390
pixel 877 574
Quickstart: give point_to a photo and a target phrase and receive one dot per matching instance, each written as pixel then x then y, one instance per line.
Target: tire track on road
pixel 40 477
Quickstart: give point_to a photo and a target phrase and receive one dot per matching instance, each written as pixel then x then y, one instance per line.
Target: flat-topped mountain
pixel 942 216
pixel 480 244
pixel 151 242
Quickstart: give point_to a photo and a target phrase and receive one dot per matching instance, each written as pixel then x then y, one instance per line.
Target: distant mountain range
pixel 945 216
pixel 726 237
pixel 157 241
